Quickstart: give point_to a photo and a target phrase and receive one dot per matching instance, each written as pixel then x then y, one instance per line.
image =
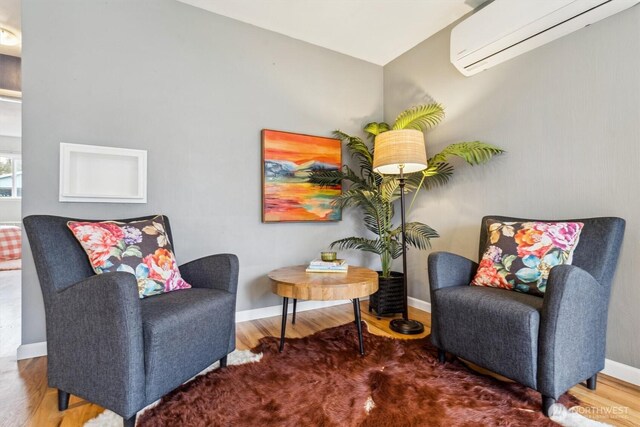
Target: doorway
pixel 11 235
pixel 10 225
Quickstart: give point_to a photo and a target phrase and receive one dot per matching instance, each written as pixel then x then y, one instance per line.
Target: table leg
pixel 285 305
pixel 295 302
pixel 356 314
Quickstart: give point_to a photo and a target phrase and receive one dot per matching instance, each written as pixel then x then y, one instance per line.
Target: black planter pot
pixel 389 299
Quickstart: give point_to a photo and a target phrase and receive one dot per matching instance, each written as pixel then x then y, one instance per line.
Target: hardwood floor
pixel 25 398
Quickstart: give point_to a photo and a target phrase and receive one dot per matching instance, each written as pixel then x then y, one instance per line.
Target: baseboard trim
pixel 276 310
pixel 621 371
pixel 419 304
pixel 28 351
pixel 612 368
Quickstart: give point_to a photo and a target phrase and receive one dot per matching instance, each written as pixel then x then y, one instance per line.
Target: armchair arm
pixel 214 272
pixel 447 269
pixel 573 329
pixel 95 342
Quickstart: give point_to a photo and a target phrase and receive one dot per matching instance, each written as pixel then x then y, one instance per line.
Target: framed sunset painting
pixel 288 159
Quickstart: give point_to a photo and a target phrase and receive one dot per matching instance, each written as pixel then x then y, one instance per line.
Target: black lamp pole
pixel 405 325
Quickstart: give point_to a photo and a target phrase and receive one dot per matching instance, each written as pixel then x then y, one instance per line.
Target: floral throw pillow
pixel 141 248
pixel 519 255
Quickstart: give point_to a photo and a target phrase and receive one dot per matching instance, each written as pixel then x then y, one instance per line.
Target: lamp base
pixel 406 326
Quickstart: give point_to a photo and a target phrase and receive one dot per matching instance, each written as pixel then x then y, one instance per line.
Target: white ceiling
pixel 377 31
pixel 10 19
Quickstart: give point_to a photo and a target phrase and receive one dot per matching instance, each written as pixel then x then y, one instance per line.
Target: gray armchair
pixel 549 344
pixel 112 348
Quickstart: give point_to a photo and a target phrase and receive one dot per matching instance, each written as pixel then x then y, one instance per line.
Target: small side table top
pixel 295 282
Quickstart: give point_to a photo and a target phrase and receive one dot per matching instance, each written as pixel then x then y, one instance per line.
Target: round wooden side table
pixel 295 282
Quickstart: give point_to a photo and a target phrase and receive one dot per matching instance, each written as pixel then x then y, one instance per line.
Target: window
pixel 10 176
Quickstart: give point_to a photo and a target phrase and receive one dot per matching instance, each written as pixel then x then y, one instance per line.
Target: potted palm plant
pixel 375 194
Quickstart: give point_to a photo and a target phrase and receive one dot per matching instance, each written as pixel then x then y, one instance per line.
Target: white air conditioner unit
pixel 507 28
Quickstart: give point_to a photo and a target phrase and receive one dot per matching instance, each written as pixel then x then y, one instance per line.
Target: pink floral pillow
pixel 519 255
pixel 141 248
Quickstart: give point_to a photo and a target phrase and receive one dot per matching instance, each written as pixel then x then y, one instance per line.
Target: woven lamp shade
pixel 396 148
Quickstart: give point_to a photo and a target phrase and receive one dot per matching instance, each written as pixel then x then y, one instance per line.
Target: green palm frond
pixel 371 223
pixel 357 197
pixel 437 175
pixel 375 128
pixel 352 177
pixel 353 197
pixel 474 152
pixel 413 181
pixel 376 217
pixel 326 177
pixel 395 249
pixel 377 213
pixel 356 145
pixel 389 189
pixel 418 234
pixel 359 150
pixel 420 117
pixel 360 243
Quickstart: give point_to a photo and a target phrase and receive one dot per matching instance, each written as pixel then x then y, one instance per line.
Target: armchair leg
pixel 130 422
pixel 223 362
pixel 591 382
pixel 546 404
pixel 442 356
pixel 63 400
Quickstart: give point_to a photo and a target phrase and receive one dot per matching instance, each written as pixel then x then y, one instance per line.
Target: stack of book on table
pixel 319 266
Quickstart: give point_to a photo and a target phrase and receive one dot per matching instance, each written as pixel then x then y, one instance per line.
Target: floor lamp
pixel 398 152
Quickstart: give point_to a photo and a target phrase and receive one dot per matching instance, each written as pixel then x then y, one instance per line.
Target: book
pixel 319 266
pixel 319 263
pixel 341 268
pixel 327 270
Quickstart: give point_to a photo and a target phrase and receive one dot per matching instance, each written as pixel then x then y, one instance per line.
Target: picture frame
pixel 287 161
pixel 98 174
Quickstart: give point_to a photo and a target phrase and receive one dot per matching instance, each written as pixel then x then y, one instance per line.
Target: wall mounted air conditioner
pixel 507 28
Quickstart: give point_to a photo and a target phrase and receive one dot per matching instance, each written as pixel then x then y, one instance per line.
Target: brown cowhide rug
pixel 321 380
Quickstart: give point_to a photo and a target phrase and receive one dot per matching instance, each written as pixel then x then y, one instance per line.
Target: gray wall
pixel 194 89
pixel 568 114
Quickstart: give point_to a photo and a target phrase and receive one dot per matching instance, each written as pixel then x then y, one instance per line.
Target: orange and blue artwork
pixel 288 160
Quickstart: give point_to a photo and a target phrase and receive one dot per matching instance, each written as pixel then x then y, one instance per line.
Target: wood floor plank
pixel 25 399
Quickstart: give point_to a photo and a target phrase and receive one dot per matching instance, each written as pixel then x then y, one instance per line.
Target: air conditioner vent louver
pixel 507 28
